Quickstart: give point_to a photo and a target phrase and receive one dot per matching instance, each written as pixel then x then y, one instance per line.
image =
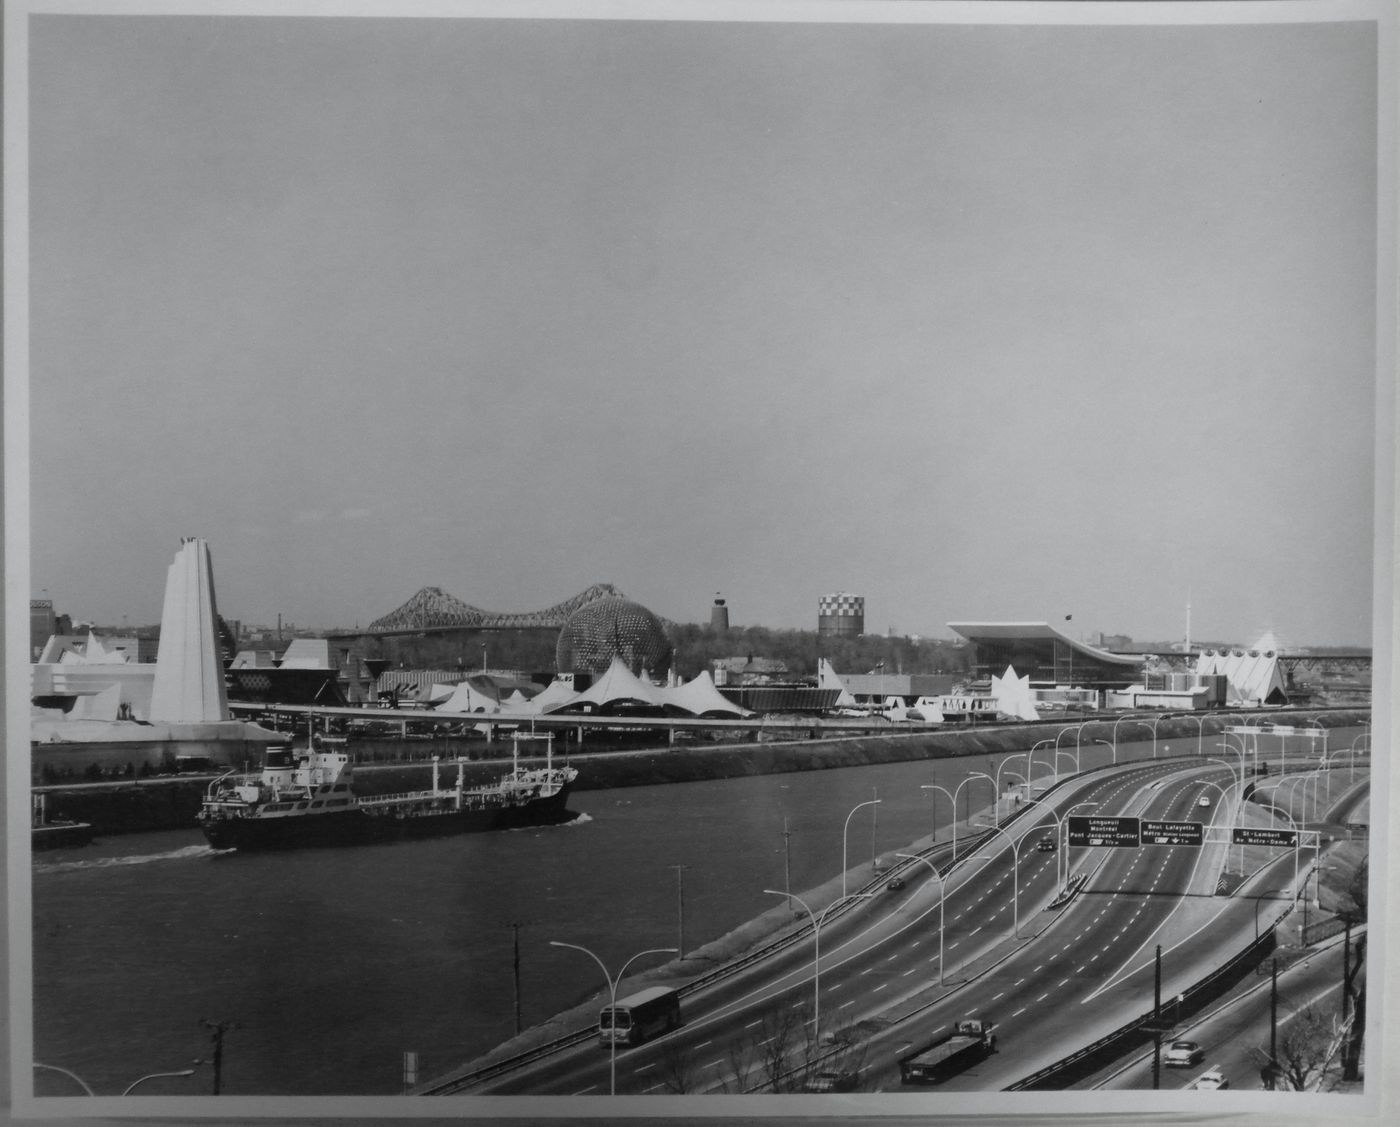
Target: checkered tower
pixel 841 615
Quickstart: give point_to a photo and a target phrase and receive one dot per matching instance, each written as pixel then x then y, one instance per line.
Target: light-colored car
pixel 1204 800
pixel 1211 1080
pixel 1184 1054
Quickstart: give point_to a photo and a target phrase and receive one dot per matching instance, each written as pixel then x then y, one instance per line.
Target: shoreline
pixel 136 805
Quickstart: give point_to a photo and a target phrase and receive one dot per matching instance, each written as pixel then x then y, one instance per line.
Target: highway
pixel 880 958
pixel 1053 978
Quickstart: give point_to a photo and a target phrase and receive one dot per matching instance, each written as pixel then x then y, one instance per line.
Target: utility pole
pixel 680 908
pixel 1157 1022
pixel 1273 1024
pixel 217 1029
pixel 787 863
pixel 515 928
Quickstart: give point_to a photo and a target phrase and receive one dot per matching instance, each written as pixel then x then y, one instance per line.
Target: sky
pixel 980 322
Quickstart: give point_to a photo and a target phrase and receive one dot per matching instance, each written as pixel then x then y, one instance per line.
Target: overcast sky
pixel 978 322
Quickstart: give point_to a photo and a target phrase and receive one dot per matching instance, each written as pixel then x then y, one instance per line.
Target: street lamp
pixel 1111 747
pixel 817 922
pixel 1077 731
pixel 942 892
pixel 1004 761
pixel 1015 882
pixel 1118 720
pixel 953 798
pixel 612 996
pixel 1062 824
pixel 71 1075
pixel 1030 762
pixel 1014 775
pixel 867 802
pixel 154 1075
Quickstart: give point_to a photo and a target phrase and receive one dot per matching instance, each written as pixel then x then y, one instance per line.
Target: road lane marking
pixel 713 1063
pixel 703 1044
pixel 1019 1012
pixel 1043 996
pixel 753 1023
pixel 644 1067
pixel 996 996
pixel 880 987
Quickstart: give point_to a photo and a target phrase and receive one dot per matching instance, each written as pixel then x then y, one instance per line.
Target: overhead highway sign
pixel 1086 829
pixel 1172 833
pixel 1248 835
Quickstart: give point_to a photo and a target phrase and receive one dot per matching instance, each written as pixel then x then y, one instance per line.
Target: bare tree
pixel 677 1066
pixel 1307 1050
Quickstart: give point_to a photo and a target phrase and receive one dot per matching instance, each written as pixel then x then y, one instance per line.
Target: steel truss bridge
pixel 433 610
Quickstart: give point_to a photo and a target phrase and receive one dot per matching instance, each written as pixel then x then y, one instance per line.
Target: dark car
pixel 1046 845
pixel 896 883
pixel 832 1081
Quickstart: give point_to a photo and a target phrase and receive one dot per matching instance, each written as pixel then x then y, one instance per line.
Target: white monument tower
pixel 189 682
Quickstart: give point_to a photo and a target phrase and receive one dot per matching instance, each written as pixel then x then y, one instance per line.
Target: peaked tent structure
pixel 619 689
pixel 1252 678
pixel 699 697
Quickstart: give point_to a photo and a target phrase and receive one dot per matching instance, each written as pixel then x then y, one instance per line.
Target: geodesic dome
pixel 612 627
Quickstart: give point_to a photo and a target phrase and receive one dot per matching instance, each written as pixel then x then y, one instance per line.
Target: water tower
pixel 841 615
pixel 719 616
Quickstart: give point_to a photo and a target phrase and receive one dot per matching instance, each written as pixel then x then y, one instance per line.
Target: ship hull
pixel 363 827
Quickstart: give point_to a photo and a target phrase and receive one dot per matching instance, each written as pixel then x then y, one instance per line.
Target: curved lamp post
pixel 1004 761
pixel 953 798
pixel 817 922
pixel 1030 761
pixel 1111 747
pixel 867 802
pixel 71 1076
pixel 1078 729
pixel 1014 775
pixel 612 993
pixel 1116 721
pixel 154 1075
pixel 942 892
pixel 1015 882
pixel 1062 825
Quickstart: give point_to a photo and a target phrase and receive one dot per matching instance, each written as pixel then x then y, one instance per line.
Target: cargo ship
pixel 306 797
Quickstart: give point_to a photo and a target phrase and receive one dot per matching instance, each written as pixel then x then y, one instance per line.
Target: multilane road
pixel 1060 978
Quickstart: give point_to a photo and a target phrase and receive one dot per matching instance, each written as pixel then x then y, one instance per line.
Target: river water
pixel 333 962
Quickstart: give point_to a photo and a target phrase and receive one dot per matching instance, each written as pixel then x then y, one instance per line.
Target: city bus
pixel 639 1016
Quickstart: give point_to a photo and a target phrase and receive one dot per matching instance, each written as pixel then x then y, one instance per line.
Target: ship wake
pixel 185 853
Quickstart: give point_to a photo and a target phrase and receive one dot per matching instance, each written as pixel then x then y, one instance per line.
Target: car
pixel 1184 1054
pixel 831 1080
pixel 1046 845
pixel 1211 1080
pixel 896 883
pixel 1204 800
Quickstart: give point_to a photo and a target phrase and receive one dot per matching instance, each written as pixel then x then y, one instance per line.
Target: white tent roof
pixel 1250 677
pixel 556 694
pixel 618 683
pixel 699 696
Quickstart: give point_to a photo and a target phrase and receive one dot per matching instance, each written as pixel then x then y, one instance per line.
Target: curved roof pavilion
pixel 1039 651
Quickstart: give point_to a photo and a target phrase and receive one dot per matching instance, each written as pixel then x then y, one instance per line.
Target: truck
pixel 969 1041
